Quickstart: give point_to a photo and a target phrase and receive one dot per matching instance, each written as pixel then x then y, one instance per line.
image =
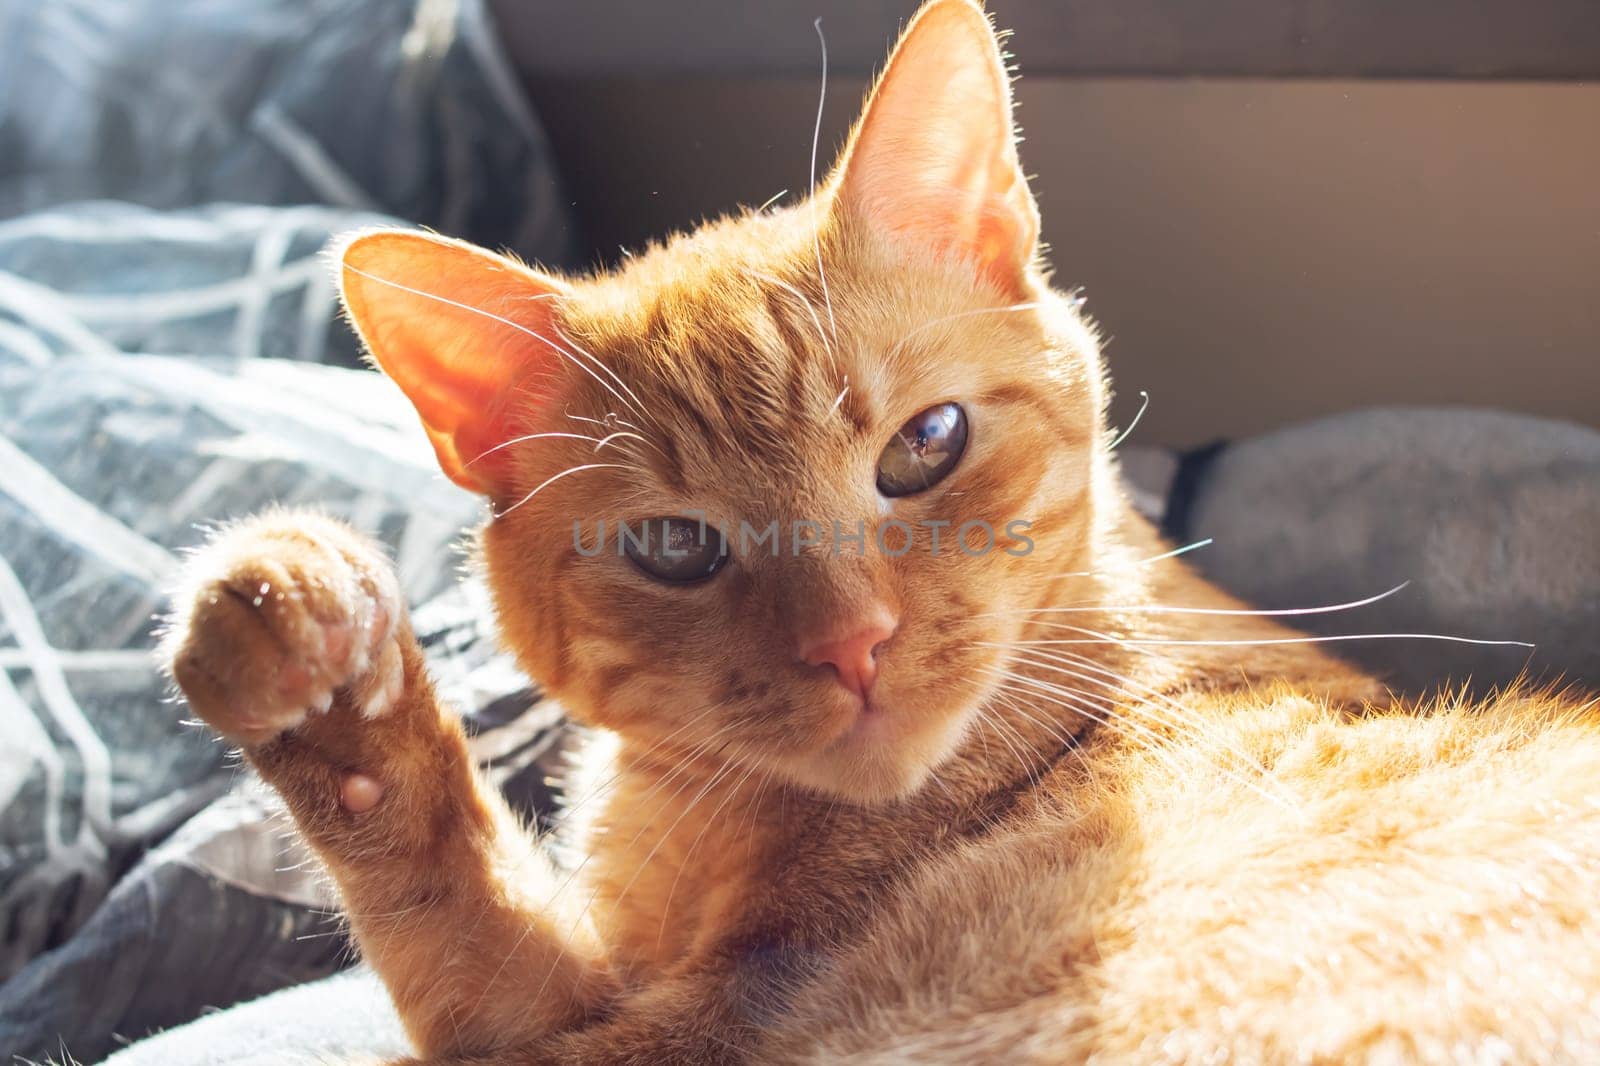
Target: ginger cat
pixel 1034 793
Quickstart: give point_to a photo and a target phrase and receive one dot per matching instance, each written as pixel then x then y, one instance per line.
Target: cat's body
pixel 1050 800
pixel 1422 894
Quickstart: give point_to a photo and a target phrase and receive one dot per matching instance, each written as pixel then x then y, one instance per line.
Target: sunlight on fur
pixel 1047 798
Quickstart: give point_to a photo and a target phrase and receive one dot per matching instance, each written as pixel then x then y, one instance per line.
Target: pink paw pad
pixel 360 793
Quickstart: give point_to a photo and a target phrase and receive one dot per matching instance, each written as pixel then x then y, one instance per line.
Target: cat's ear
pixel 934 157
pixel 467 335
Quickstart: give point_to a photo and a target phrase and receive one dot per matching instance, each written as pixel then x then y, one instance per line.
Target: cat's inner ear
pixel 469 337
pixel 934 157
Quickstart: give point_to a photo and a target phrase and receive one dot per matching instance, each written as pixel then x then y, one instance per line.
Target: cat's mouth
pixel 869 718
pixel 873 722
pixel 883 747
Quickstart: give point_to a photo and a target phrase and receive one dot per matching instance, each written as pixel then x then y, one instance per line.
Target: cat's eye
pixel 923 451
pixel 675 550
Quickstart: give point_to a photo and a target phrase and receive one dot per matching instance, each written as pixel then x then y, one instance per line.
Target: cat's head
pixel 872 396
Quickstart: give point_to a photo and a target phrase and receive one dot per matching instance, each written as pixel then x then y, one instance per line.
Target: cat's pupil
pixel 923 451
pixel 675 550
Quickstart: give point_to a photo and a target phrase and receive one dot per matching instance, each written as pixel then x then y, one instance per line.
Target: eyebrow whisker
pixel 816 136
pixel 557 477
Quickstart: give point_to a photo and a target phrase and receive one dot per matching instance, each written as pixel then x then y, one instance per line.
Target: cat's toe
pixel 279 617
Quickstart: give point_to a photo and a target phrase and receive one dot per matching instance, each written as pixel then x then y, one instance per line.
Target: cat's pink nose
pixel 854 658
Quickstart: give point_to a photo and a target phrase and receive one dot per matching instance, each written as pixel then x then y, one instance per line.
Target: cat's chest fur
pixel 685 864
pixel 669 855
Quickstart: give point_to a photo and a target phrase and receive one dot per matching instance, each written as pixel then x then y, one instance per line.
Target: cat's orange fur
pixel 1120 848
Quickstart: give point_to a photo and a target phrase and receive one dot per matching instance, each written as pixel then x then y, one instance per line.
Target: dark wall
pixel 1258 250
pixel 1181 38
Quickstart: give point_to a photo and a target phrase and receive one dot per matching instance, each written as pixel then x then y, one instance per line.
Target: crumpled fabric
pixel 408 108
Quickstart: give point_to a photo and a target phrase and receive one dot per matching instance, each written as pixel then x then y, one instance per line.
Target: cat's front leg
pixel 290 638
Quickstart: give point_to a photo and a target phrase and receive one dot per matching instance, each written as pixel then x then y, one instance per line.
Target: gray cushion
pixel 1492 518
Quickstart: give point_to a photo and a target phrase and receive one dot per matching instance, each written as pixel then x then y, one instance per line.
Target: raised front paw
pixel 277 615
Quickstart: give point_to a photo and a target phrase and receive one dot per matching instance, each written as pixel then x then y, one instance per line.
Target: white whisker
pixel 609 422
pixel 1132 425
pixel 638 404
pixel 1179 719
pixel 1116 568
pixel 988 718
pixel 523 439
pixel 839 399
pixel 1104 638
pixel 1080 704
pixel 1157 608
pixel 620 434
pixel 816 136
pixel 558 477
pixel 1160 748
